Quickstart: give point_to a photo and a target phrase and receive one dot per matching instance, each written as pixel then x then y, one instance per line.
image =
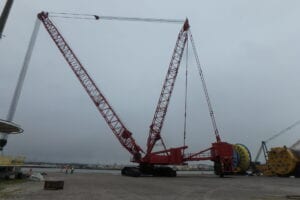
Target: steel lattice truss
pixel 114 122
pixel 168 86
pixel 220 152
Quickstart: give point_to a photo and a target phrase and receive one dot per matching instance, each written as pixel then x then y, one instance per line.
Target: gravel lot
pixel 111 187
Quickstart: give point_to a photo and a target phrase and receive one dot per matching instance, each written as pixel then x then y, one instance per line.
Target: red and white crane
pixel 149 162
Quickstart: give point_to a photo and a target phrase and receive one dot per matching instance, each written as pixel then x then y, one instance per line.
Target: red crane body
pixel 220 152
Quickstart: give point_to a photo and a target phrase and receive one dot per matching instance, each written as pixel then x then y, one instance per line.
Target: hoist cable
pixel 100 17
pixel 69 17
pixel 186 92
pixel 211 112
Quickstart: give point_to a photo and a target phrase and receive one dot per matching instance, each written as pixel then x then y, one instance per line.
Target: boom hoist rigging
pixel 151 163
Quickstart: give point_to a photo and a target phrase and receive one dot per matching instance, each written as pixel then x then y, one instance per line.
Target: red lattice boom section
pixel 114 122
pixel 166 93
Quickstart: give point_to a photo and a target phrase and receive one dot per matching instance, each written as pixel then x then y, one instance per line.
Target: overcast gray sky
pixel 250 56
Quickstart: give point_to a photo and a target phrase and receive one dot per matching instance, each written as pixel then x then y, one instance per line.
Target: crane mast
pixel 167 89
pixel 110 116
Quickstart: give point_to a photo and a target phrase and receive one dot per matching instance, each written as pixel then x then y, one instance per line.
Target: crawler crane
pixel 149 162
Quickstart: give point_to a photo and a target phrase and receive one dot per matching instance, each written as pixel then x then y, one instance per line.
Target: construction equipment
pixel 9 166
pixel 150 163
pixel 284 161
pixel 263 147
pixel 279 160
pixel 244 158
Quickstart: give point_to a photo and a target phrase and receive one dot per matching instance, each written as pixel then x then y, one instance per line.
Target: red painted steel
pixel 220 152
pixel 172 156
pixel 202 155
pixel 167 89
pixel 110 116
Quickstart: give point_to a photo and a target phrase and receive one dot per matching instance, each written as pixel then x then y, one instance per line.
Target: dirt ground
pixel 112 187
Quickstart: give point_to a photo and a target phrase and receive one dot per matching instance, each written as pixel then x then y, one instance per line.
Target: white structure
pixel 7 128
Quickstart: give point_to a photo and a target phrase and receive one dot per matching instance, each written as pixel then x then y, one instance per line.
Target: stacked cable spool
pixel 284 161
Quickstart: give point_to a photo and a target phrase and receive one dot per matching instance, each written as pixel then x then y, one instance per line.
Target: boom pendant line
pixel 113 18
pixel 211 112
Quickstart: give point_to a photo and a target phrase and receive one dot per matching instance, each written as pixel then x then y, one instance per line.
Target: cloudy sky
pixel 249 52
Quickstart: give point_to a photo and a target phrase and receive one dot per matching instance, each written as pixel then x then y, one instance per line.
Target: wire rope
pixel 100 17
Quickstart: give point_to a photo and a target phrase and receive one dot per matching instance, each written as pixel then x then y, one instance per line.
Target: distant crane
pixel 263 147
